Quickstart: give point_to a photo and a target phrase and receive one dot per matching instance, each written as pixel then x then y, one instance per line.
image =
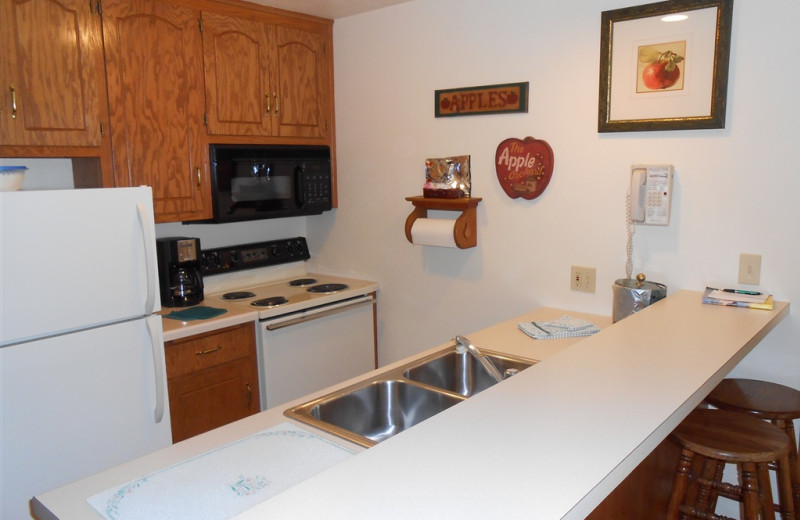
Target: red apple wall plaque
pixel 524 167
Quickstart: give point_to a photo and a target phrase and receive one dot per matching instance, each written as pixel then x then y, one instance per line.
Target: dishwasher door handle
pixel 322 313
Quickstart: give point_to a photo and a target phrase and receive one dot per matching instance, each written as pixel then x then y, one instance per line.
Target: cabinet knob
pixel 249 394
pixel 199 178
pixel 275 95
pixel 266 95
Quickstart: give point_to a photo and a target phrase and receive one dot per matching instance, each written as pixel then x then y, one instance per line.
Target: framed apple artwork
pixel 524 167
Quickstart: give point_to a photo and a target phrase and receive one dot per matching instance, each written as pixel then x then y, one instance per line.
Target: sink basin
pixel 387 403
pixel 382 408
pixel 461 373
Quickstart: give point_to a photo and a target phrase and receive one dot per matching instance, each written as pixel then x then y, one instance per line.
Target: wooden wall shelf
pixel 465 231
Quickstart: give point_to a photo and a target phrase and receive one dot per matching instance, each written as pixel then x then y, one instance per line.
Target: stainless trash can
pixel 631 296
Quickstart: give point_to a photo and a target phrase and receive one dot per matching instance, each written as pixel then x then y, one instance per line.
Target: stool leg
pixel 787 509
pixel 794 462
pixel 765 491
pixel 680 484
pixel 706 500
pixel 714 494
pixel 750 501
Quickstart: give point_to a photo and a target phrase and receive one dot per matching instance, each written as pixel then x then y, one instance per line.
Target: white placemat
pixel 224 482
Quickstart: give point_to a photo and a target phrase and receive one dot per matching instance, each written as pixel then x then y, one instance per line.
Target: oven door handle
pixel 313 314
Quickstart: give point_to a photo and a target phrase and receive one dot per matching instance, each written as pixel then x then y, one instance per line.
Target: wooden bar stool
pixel 773 402
pixel 718 437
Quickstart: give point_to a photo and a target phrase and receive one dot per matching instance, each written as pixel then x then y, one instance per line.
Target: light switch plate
pixel 749 269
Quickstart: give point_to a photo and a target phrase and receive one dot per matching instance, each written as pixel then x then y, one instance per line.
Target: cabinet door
pixel 154 61
pixel 236 54
pixel 302 76
pixel 202 401
pixel 53 83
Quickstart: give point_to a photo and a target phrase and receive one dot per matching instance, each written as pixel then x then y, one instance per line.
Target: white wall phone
pixel 651 194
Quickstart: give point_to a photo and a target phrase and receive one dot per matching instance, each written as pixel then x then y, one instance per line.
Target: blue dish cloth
pixel 195 313
pixel 564 327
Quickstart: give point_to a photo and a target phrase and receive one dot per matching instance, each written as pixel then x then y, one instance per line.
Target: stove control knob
pixel 235 257
pixel 210 260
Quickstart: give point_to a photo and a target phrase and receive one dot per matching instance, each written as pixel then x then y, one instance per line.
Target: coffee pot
pixel 180 279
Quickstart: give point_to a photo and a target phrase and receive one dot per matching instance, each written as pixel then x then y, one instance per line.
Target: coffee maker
pixel 179 276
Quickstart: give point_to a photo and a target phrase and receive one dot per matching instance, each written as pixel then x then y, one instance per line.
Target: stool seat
pixel 771 401
pixel 731 437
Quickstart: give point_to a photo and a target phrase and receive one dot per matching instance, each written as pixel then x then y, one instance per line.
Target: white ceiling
pixel 329 8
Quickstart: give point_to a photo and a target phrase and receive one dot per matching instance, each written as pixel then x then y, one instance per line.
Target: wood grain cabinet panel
pixel 236 58
pixel 212 380
pixel 154 56
pixel 51 73
pixel 302 77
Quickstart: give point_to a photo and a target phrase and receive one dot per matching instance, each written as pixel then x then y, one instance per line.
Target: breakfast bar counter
pixel 549 443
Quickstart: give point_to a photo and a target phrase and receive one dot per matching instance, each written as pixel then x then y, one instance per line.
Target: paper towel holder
pixel 465 231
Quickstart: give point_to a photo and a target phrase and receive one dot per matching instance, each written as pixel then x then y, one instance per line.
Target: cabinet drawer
pixel 208 350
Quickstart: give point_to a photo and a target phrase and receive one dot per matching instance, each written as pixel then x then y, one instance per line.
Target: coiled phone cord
pixel 631 228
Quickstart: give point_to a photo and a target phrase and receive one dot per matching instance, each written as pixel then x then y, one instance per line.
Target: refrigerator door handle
pixel 154 329
pixel 146 221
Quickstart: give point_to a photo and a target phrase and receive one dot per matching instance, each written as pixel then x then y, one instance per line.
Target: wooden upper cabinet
pixel 154 68
pixel 265 79
pixel 303 89
pixel 51 73
pixel 236 57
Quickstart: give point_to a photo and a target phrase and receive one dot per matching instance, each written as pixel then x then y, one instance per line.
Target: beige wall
pixel 736 189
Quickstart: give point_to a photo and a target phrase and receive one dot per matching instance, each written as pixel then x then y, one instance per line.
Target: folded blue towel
pixel 195 313
pixel 564 327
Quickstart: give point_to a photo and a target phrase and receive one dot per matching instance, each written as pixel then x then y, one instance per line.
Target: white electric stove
pixel 314 330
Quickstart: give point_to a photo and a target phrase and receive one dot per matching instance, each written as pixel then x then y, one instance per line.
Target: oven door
pixel 304 352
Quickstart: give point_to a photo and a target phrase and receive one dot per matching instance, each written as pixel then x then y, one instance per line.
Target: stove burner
pixel 300 282
pixel 274 301
pixel 238 295
pixel 327 288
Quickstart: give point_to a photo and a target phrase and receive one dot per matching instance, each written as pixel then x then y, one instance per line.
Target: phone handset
pixel 651 194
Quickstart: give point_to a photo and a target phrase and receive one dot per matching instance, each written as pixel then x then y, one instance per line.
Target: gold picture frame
pixel 664 66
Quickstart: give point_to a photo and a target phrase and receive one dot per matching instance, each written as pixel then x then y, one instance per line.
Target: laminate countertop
pixel 549 443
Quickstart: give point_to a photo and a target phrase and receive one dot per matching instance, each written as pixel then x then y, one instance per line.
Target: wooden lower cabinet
pixel 644 494
pixel 212 380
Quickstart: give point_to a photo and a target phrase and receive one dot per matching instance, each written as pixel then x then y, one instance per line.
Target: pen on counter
pixel 739 291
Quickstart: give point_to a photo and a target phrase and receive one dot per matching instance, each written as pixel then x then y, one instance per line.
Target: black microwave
pixel 251 182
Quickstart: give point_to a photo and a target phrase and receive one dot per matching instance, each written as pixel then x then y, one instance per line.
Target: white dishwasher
pixel 306 351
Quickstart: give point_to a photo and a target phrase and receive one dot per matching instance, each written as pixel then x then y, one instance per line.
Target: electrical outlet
pixel 749 269
pixel 582 279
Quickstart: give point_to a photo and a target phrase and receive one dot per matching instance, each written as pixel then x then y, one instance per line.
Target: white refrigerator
pixel 82 376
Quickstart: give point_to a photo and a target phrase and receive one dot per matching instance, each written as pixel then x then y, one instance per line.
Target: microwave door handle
pixel 300 185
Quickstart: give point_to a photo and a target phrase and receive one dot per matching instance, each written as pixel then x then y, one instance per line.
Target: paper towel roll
pixel 433 232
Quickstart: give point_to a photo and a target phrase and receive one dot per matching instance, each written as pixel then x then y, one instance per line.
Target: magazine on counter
pixel 736 298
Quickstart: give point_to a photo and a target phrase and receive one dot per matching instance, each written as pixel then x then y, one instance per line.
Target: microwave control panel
pixel 315 189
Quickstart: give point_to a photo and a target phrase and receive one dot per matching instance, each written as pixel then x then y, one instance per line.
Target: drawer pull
pixel 249 395
pixel 209 351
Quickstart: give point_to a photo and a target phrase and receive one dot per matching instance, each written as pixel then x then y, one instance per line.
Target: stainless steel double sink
pixel 390 402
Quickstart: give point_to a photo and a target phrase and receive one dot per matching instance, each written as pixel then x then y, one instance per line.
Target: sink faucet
pixel 463 344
